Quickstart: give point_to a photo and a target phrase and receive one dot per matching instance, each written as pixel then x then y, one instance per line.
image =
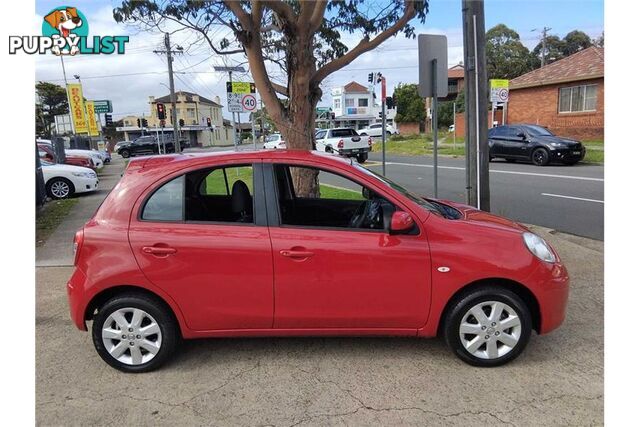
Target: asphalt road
pixel 565 198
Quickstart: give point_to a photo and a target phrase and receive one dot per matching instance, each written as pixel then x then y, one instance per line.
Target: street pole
pixel 66 89
pixel 454 125
pixel 384 125
pixel 475 73
pixel 174 113
pixel 434 123
pixel 544 46
pixel 504 113
pixel 233 119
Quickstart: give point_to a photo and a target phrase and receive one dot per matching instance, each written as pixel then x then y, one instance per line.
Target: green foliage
pixel 575 41
pixel 555 50
pixel 52 101
pixel 410 105
pixel 507 57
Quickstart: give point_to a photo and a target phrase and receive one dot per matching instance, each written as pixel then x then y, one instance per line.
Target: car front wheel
pixel 125 153
pixel 488 326
pixel 134 333
pixel 60 188
pixel 540 157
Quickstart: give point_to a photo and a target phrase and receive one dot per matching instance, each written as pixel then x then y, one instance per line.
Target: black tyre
pixel 388 133
pixel 488 326
pixel 540 157
pixel 134 333
pixel 328 149
pixel 125 153
pixel 362 158
pixel 60 188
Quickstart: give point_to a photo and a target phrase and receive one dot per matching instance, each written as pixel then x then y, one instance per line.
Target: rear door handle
pixel 158 250
pixel 292 253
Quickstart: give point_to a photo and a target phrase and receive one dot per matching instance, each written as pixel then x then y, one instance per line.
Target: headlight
pixel 84 174
pixel 538 247
pixel 557 144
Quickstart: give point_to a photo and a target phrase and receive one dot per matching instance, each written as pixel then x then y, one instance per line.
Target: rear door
pixel 212 256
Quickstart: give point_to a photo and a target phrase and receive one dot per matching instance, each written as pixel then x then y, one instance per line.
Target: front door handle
pixel 158 250
pixel 295 253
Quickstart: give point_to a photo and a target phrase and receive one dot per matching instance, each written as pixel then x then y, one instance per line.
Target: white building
pixel 354 106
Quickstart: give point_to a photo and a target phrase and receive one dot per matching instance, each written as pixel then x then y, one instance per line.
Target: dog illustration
pixel 64 21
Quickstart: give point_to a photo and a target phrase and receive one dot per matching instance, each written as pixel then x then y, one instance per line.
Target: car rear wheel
pixel 540 157
pixel 488 326
pixel 60 188
pixel 328 149
pixel 134 333
pixel 362 158
pixel 125 153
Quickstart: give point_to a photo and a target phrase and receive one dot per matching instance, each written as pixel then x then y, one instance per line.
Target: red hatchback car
pixel 293 243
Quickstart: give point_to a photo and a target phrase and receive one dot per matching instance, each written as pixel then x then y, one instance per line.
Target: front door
pixel 335 269
pixel 212 256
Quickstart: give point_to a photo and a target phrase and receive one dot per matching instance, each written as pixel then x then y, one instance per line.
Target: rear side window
pixel 167 203
pixel 340 133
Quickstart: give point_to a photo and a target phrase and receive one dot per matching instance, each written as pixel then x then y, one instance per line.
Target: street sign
pixel 102 106
pixel 240 97
pixel 323 109
pixel 499 90
pixel 430 47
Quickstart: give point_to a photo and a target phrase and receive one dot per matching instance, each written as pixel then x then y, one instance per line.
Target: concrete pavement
pixel 558 380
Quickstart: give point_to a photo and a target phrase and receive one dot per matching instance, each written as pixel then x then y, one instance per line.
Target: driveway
pixel 558 380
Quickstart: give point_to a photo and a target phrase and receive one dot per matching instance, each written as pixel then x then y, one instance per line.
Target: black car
pixel 148 144
pixel 533 143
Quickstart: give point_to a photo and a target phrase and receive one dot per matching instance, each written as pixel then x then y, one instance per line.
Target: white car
pixel 62 181
pixel 274 141
pixel 452 128
pixel 98 159
pixel 344 141
pixel 376 130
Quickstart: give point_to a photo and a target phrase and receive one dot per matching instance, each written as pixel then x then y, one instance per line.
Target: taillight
pixel 77 245
pixel 341 143
pixel 370 142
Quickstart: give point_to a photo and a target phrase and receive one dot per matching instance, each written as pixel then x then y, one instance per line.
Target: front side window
pixel 577 98
pixel 332 201
pixel 206 195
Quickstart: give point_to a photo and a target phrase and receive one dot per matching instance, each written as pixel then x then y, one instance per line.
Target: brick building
pixel 566 96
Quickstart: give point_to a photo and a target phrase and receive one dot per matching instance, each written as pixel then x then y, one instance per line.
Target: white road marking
pixel 572 197
pixel 546 175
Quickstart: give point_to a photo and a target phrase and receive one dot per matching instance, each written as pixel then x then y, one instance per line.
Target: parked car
pixel 452 128
pixel 62 181
pixel 92 154
pixel 45 151
pixel 148 144
pixel 376 130
pixel 120 144
pixel 355 255
pixel 274 141
pixel 533 143
pixel 344 141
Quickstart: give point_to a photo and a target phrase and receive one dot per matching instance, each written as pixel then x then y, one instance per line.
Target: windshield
pixel 45 163
pixel 538 130
pixel 423 203
pixel 273 138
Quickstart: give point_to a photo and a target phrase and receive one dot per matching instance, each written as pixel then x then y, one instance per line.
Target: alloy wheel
pixel 131 336
pixel 490 329
pixel 60 189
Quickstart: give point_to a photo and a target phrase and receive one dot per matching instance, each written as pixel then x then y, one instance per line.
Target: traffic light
pixel 209 121
pixel 333 115
pixel 181 122
pixel 144 122
pixel 139 123
pixel 370 77
pixel 108 120
pixel 389 101
pixel 161 112
pixel 380 114
pixel 379 78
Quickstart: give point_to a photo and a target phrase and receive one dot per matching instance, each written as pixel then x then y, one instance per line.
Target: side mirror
pixel 521 135
pixel 401 222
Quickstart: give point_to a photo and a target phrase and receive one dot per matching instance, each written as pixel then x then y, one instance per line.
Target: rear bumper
pixel 352 152
pixel 75 291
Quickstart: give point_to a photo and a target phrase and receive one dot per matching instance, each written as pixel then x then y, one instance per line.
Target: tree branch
pixel 283 10
pixel 318 16
pixel 366 45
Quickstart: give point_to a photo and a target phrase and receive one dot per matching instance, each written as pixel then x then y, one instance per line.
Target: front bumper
pixel 353 152
pixel 85 185
pixel 552 292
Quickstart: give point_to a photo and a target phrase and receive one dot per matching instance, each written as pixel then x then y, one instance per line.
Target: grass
pixel 332 192
pixel 49 217
pixel 415 145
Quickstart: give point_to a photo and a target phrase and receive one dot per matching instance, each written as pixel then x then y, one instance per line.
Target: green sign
pixel 323 109
pixel 102 106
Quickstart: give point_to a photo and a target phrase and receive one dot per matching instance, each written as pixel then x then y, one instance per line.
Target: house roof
pixel 456 72
pixel 189 95
pixel 585 64
pixel 355 87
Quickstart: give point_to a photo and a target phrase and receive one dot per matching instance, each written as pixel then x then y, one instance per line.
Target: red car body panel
pixel 69 159
pixel 232 280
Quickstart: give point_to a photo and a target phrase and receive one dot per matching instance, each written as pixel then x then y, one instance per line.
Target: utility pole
pixel 383 95
pixel 230 70
pixel 475 75
pixel 174 113
pixel 543 60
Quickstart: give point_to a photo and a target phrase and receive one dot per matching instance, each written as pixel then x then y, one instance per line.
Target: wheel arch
pixel 99 299
pixel 518 288
pixel 62 178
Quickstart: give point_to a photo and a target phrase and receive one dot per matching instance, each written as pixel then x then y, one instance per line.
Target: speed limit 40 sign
pixel 249 103
pixel 499 90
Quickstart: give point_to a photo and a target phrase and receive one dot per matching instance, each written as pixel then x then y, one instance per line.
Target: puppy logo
pixel 66 23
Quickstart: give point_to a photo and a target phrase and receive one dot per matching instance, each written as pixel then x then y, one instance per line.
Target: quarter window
pixel 167 203
pixel 577 98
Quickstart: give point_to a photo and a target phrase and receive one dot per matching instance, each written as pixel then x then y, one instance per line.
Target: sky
pixel 128 80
